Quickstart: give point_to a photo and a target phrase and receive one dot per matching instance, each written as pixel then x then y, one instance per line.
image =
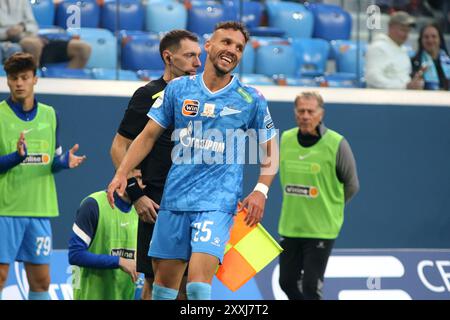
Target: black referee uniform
pixel 154 167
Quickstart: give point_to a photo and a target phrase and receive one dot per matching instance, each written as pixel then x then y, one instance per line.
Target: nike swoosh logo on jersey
pixel 124 224
pixel 228 111
pixel 304 157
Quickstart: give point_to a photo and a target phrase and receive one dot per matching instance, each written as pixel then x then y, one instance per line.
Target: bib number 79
pixel 204 229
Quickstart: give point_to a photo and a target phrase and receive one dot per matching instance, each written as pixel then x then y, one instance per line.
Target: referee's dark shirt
pixel 157 163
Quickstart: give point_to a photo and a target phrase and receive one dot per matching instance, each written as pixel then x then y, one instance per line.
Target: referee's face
pixel 225 49
pixel 186 59
pixel 21 85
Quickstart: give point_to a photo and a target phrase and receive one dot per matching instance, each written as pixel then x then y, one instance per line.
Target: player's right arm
pixel 139 148
pixel 11 160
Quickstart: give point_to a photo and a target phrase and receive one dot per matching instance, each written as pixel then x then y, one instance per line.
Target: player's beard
pixel 220 71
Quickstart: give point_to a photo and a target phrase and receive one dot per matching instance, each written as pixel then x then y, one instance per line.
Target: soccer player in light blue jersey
pixel 210 113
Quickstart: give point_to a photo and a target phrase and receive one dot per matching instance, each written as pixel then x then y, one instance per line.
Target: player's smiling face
pixel 225 49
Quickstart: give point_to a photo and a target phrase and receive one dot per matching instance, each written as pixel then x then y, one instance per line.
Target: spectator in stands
pixel 17 25
pixel 7 49
pixel 433 57
pixel 388 65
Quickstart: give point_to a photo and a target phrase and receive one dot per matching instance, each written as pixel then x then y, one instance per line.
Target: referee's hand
pixel 118 183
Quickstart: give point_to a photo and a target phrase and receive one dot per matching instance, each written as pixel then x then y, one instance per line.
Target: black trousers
pixel 302 267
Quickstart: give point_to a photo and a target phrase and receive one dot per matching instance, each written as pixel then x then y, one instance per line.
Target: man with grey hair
pixel 387 62
pixel 318 177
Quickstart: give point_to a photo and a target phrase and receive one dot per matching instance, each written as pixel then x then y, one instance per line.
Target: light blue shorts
pixel 25 239
pixel 179 233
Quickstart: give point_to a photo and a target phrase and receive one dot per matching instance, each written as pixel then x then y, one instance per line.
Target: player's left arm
pixel 68 159
pixel 256 201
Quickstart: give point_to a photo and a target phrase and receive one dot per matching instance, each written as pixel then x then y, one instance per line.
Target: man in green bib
pixel 318 176
pixel 102 249
pixel 30 154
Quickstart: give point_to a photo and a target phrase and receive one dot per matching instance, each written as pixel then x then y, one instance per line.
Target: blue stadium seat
pixel 346 56
pixel 275 59
pixel 339 80
pixel 142 52
pixel 202 17
pixel 131 15
pixel 165 16
pixel 331 22
pixel 43 11
pixel 59 72
pixel 311 56
pixel 247 11
pixel 149 75
pixel 247 64
pixel 2 71
pixel 257 80
pixel 103 45
pixel 68 10
pixel 291 17
pixel 264 31
pixel 54 33
pixel 301 82
pixel 113 74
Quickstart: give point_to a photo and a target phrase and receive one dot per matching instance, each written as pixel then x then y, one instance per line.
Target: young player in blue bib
pixel 210 112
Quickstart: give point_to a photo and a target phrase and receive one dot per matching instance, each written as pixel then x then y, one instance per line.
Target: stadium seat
pixel 275 59
pixel 345 54
pixel 131 15
pixel 113 74
pixel 311 56
pixel 339 80
pixel 67 11
pixel 165 16
pixel 43 11
pixel 247 64
pixel 291 17
pixel 59 72
pixel 257 80
pixel 141 52
pixel 249 12
pixel 301 82
pixel 2 71
pixel 264 31
pixel 331 22
pixel 103 45
pixel 149 75
pixel 54 33
pixel 202 17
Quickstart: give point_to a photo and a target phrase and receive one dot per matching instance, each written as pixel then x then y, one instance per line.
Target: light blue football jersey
pixel 209 136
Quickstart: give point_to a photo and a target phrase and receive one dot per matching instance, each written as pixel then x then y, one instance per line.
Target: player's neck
pixel 27 103
pixel 214 81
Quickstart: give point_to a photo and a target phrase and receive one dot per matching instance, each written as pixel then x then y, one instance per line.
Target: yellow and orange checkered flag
pixel 249 250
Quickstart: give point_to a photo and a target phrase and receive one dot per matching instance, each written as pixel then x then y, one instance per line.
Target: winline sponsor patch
pixel 305 191
pixel 37 158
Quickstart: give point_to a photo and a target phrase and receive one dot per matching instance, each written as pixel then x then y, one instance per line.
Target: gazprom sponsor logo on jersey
pixel 299 190
pixel 37 159
pixel 124 253
pixel 190 108
pixel 188 140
